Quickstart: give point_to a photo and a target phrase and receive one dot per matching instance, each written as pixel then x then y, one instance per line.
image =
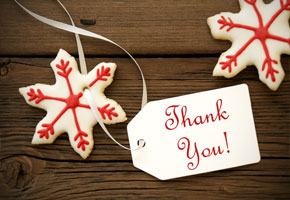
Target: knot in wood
pixel 4 67
pixel 88 22
pixel 16 172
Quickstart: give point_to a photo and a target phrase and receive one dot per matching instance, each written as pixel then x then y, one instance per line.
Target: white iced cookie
pixel 259 34
pixel 66 106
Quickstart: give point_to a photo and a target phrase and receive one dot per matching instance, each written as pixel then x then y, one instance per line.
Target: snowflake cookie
pixel 66 106
pixel 259 34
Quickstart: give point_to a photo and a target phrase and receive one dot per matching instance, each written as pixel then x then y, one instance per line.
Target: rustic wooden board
pixel 142 27
pixel 177 53
pixel 57 172
pixel 119 180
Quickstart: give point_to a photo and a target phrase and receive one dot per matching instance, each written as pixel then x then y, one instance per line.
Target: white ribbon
pixel 83 64
pixel 73 29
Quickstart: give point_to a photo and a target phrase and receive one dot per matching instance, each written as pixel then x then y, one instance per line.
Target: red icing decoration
pixel 261 33
pixel 72 102
pixel 100 75
pixel 109 112
pixel 44 132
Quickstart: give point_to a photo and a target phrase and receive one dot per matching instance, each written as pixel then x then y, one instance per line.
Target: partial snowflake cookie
pixel 259 34
pixel 67 108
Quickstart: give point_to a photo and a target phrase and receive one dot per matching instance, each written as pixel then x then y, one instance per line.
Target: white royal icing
pixel 77 116
pixel 254 42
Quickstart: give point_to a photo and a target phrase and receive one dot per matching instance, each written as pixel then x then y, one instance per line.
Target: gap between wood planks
pixel 100 161
pixel 201 55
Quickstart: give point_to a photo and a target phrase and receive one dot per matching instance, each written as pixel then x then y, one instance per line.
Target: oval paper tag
pixel 195 133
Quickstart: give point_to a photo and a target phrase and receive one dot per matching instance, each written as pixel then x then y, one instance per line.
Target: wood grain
pixel 108 172
pixel 177 54
pixel 148 27
pixel 120 180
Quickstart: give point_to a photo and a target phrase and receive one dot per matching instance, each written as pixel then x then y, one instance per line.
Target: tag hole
pixel 141 143
pixel 85 88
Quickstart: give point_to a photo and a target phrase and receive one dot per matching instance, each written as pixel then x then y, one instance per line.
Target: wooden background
pixel 172 42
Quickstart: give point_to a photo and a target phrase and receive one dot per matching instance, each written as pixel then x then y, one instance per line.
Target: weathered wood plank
pixel 146 28
pixel 143 27
pixel 27 177
pixel 186 75
pixel 57 172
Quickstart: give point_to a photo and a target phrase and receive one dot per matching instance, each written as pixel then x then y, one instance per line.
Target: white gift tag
pixel 195 133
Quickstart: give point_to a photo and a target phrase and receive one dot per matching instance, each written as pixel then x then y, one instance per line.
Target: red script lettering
pixel 178 116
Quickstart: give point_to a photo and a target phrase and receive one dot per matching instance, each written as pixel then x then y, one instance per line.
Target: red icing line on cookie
pixel 38 97
pixel 261 33
pixel 100 75
pixel 109 112
pixel 72 102
pixel 80 133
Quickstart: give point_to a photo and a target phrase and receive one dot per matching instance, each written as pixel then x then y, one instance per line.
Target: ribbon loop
pixel 79 31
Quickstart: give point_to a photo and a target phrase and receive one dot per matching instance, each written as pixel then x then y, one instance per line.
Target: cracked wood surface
pixel 164 35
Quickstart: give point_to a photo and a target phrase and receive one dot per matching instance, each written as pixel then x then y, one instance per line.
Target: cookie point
pixel 273 88
pixel 208 20
pixel 84 156
pixel 61 50
pixel 215 73
pixel 21 90
pixel 34 141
